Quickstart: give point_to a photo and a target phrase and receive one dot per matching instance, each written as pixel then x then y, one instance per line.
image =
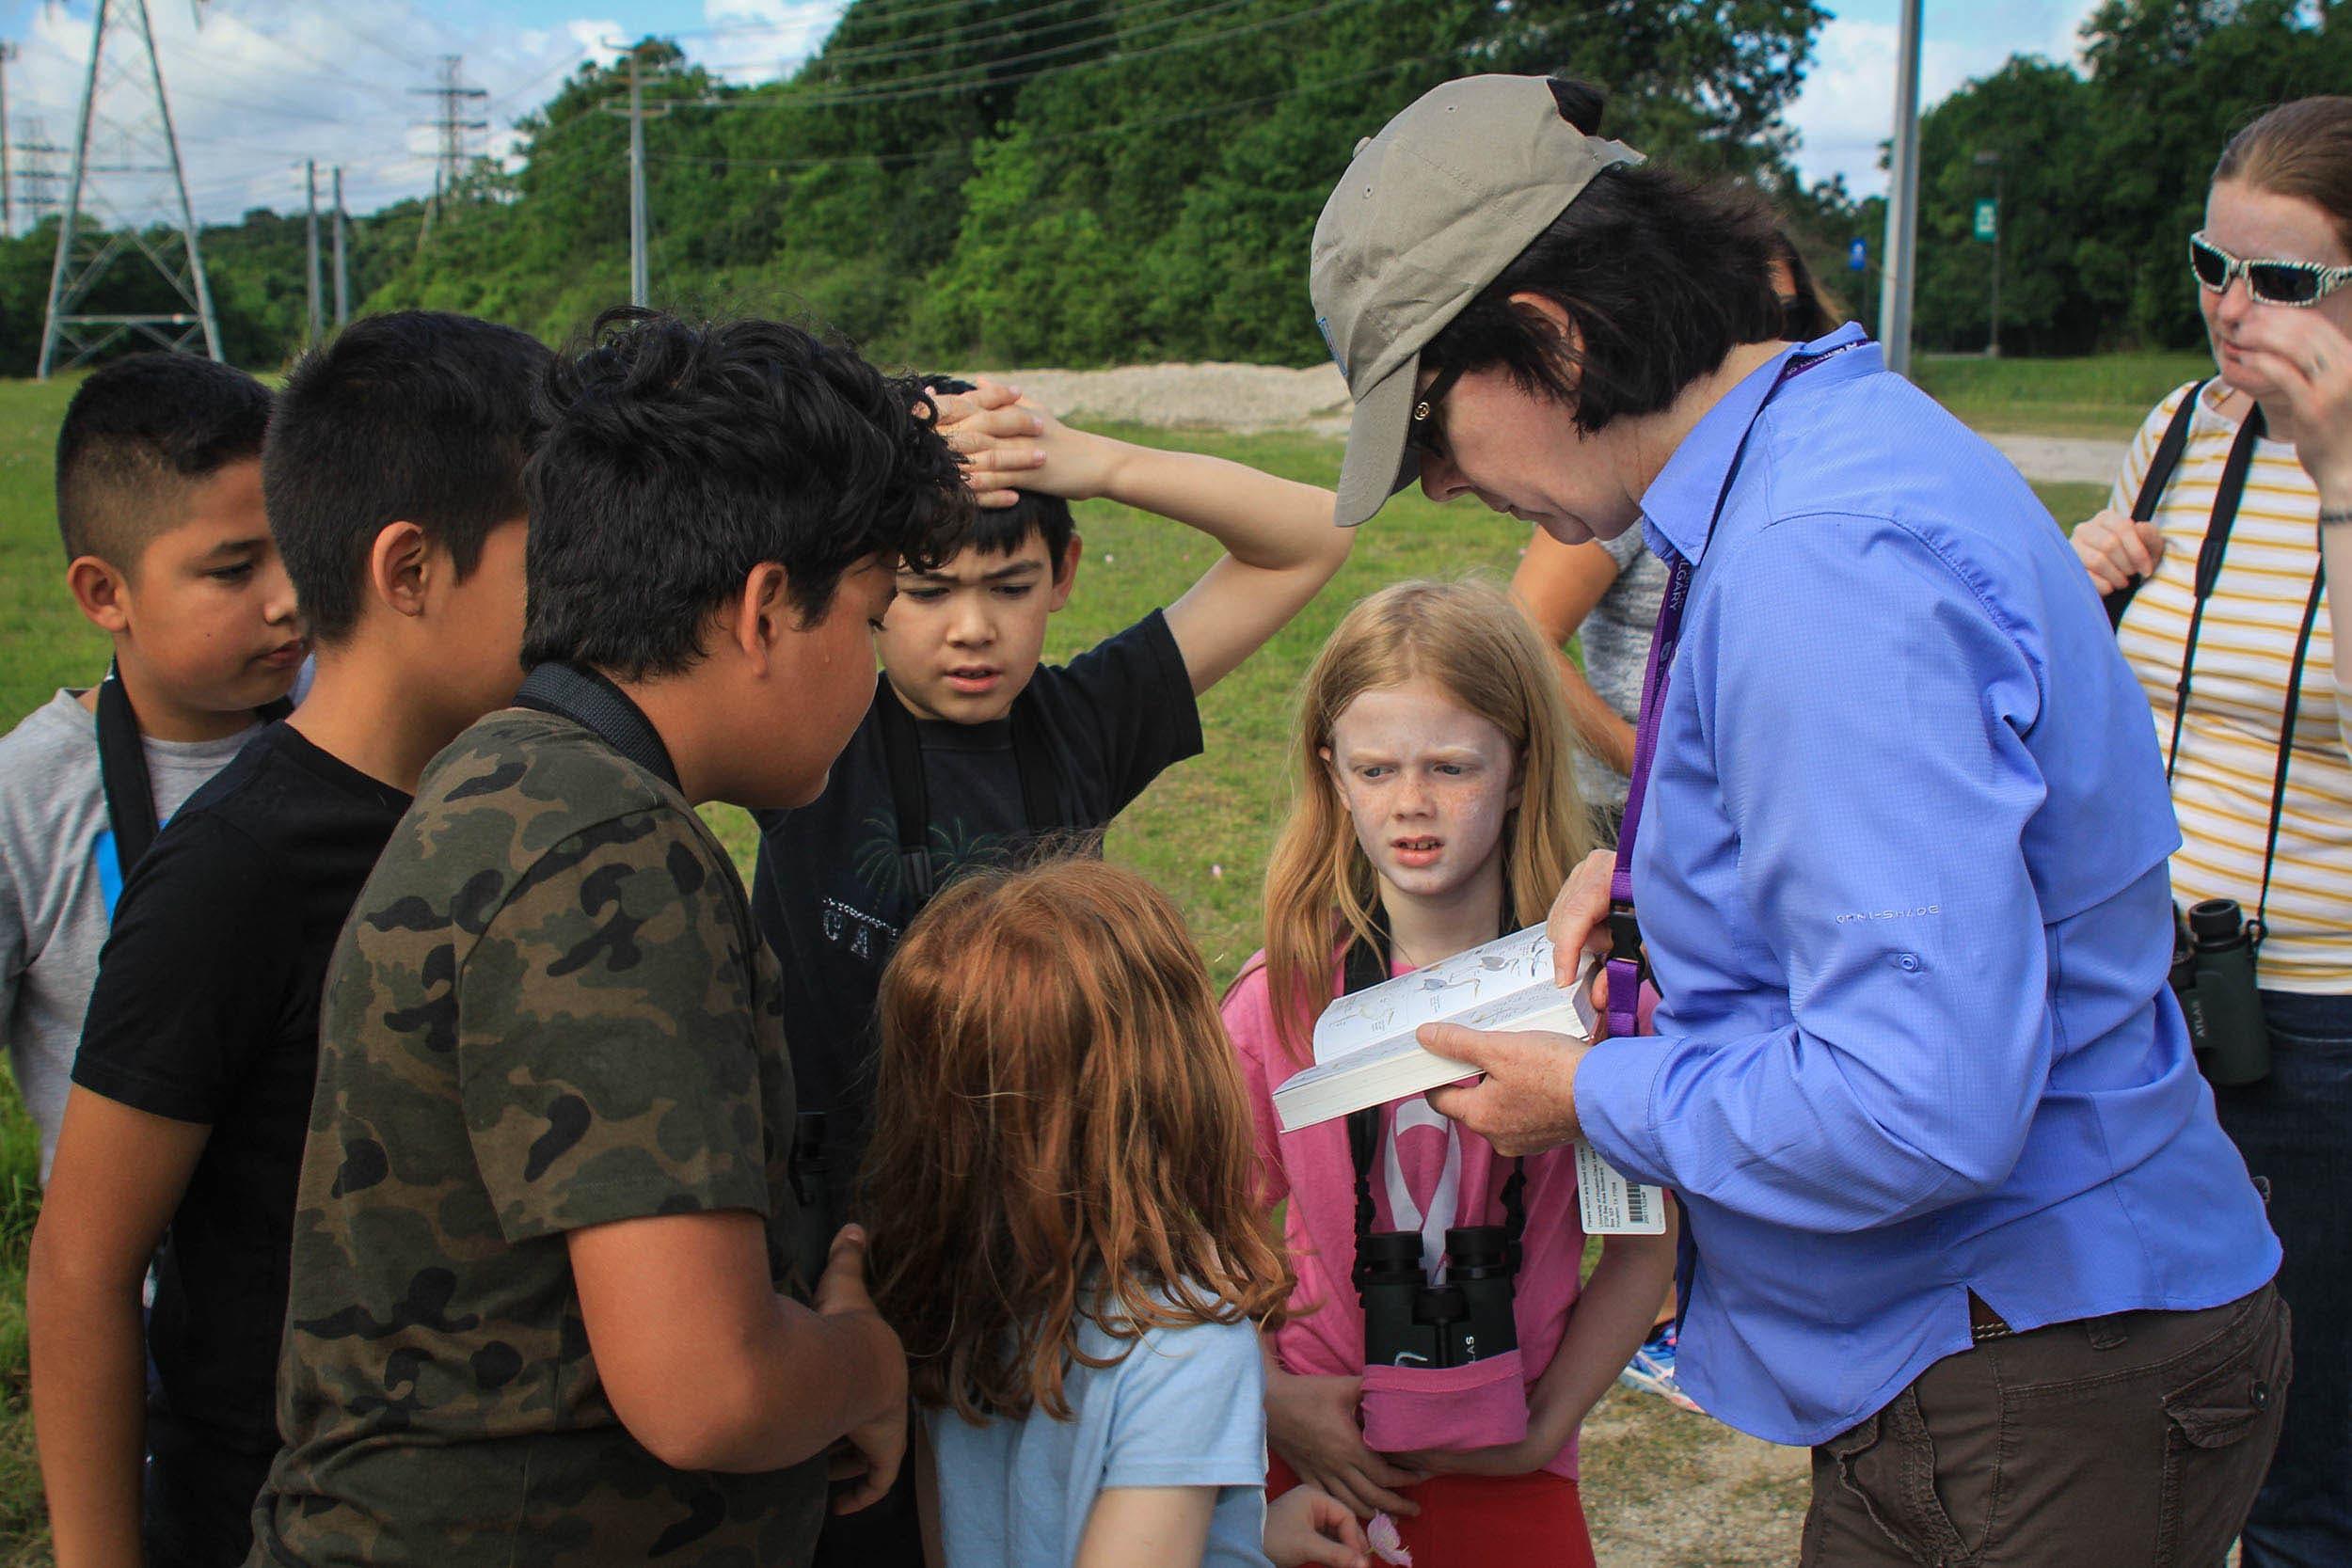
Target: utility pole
pixel 318 325
pixel 135 121
pixel 452 129
pixel 1902 201
pixel 1991 158
pixel 640 280
pixel 640 262
pixel 342 267
pixel 8 175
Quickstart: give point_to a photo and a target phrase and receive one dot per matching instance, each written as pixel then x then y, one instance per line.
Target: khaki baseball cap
pixel 1430 211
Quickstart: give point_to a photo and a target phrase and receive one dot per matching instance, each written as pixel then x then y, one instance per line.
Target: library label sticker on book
pixel 1610 1205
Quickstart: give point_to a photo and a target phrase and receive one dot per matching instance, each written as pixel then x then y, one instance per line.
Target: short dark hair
pixel 137 435
pixel 1001 530
pixel 1662 278
pixel 679 456
pixel 419 416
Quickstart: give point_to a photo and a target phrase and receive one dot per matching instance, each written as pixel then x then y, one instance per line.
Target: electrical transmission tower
pixel 36 178
pixel 125 173
pixel 454 129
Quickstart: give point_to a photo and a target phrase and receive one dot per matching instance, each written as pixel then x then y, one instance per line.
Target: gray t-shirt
pixel 1185 1407
pixel 58 883
pixel 1617 637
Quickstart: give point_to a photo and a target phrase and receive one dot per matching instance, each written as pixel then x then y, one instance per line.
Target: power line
pixel 936 86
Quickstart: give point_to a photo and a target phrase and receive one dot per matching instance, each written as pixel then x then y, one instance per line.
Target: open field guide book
pixel 1366 1054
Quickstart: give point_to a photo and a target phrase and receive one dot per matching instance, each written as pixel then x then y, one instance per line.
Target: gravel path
pixel 1218 396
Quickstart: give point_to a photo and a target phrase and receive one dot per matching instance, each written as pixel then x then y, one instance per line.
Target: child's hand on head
pixel 1305 1525
pixel 1009 444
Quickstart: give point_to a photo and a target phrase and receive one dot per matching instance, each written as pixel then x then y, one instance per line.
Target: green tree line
pixel 1075 181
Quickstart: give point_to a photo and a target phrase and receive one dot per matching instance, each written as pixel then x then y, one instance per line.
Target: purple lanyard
pixel 1627 963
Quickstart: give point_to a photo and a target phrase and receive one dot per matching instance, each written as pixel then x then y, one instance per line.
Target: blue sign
pixel 1858 256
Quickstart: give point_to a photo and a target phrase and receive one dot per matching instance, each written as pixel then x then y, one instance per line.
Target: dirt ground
pixel 1219 396
pixel 1664 1488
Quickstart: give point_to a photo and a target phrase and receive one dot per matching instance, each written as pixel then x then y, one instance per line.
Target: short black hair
pixel 1661 277
pixel 137 435
pixel 418 416
pixel 680 455
pixel 1001 530
pixel 1806 310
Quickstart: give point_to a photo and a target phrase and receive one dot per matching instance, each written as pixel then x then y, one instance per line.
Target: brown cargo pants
pixel 2132 1441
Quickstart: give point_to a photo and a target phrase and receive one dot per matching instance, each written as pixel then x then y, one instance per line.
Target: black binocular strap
pixel 2286 747
pixel 590 700
pixel 1364 966
pixel 2160 466
pixel 2226 497
pixel 122 769
pixel 910 797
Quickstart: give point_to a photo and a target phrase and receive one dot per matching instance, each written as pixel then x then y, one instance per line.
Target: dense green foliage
pixel 1080 181
pixel 2102 176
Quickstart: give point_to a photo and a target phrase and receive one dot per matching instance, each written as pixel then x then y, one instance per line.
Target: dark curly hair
pixel 1661 278
pixel 679 456
pixel 415 416
pixel 1001 530
pixel 137 435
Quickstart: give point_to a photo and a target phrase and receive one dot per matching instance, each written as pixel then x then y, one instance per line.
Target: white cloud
pixel 1846 106
pixel 754 40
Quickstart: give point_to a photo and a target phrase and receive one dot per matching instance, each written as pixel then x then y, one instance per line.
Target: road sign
pixel 1858 255
pixel 1988 218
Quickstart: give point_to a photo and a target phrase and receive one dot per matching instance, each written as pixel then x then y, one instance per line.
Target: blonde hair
pixel 1062 1133
pixel 1469 639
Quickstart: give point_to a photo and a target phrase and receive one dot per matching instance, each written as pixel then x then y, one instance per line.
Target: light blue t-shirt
pixel 1184 1408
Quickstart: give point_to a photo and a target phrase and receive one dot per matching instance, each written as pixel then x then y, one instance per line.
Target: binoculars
pixel 2213 974
pixel 1411 1322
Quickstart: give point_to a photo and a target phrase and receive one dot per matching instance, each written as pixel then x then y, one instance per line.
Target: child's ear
pixel 100 593
pixel 762 615
pixel 1066 572
pixel 397 567
pixel 1328 766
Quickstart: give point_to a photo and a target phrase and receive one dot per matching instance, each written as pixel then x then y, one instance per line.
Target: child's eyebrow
pixel 1000 574
pixel 235 546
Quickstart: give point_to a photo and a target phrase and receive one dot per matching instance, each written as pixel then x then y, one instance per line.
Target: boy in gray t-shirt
pixel 159 506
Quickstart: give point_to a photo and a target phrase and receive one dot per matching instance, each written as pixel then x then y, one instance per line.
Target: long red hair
pixel 1061 1135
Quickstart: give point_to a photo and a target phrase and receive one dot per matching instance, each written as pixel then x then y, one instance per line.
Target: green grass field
pixel 1201 833
pixel 2106 396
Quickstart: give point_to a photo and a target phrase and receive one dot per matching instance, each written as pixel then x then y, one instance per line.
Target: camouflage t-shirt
pixel 550 1010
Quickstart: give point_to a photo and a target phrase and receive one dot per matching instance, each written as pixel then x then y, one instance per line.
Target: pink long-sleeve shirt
pixel 1313 1170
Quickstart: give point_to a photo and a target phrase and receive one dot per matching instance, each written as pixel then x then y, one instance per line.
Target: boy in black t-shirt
pixel 973 749
pixel 391 475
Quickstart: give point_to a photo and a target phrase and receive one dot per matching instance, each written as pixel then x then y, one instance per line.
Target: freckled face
pixel 1427 782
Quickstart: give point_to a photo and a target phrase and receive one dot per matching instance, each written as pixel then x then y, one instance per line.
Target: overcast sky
pixel 263 85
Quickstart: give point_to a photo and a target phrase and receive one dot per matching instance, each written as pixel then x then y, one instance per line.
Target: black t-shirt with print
pixel 206 1009
pixel 831 894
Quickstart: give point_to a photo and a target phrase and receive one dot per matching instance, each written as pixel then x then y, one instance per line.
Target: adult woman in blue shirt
pixel 1960 1214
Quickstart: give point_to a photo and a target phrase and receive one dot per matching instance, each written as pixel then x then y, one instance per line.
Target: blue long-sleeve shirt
pixel 1901 878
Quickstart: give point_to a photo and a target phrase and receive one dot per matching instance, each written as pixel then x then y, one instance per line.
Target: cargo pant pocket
pixel 2220 1430
pixel 1886 1468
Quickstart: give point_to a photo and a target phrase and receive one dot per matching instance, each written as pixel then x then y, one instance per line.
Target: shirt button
pixel 1908 962
pixel 2262 1395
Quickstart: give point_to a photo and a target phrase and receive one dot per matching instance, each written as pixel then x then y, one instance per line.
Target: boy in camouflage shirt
pixel 543 1310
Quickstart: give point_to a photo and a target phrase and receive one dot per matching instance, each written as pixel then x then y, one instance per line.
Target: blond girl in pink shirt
pixel 1435 809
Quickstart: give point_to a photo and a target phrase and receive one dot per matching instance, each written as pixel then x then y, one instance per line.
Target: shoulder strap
pixel 909 799
pixel 2287 748
pixel 2160 466
pixel 2209 557
pixel 1040 804
pixel 590 699
pixel 122 769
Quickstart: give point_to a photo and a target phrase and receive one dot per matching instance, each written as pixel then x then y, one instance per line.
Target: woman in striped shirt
pixel 2273 262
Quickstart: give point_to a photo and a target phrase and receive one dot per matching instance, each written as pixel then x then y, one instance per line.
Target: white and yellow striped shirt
pixel 2229 753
